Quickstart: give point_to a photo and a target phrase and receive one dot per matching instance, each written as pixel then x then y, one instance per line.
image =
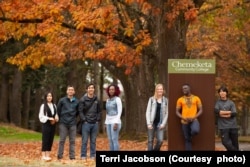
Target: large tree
pixel 133 39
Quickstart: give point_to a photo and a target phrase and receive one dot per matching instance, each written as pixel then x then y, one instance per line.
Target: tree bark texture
pixel 26 107
pixel 4 93
pixel 15 106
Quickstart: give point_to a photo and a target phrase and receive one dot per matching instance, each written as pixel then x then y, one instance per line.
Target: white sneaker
pixel 46 158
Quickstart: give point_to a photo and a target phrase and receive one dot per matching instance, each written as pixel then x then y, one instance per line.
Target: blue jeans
pixel 159 133
pixel 113 136
pixel 64 131
pixel 229 138
pixel 189 130
pixel 89 130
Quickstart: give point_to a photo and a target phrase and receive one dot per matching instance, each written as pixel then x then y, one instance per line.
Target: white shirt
pixel 44 118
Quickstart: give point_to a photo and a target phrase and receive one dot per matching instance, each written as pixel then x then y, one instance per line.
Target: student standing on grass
pixel 225 111
pixel 67 111
pixel 48 117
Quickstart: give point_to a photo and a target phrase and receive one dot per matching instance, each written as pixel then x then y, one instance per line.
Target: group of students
pixel 188 109
pixel 66 113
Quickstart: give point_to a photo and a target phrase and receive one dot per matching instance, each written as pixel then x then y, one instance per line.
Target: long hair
pixel 117 90
pixel 45 104
pixel 156 86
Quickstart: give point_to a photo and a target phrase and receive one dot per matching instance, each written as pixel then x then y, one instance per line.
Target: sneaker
pixel 46 158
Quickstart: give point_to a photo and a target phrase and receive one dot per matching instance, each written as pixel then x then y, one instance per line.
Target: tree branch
pixel 126 40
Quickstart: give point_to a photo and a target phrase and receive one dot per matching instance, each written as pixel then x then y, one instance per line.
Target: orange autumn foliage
pixel 68 31
pixel 222 33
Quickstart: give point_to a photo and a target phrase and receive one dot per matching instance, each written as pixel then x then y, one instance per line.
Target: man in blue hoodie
pixel 67 112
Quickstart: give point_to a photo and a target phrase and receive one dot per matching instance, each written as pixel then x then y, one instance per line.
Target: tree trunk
pixel 172 45
pixel 4 93
pixel 26 107
pixel 15 106
pixel 77 76
pixel 34 122
pixel 101 83
pixel 244 120
pixel 139 86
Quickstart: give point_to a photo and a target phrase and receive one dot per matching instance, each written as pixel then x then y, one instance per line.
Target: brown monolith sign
pixel 200 74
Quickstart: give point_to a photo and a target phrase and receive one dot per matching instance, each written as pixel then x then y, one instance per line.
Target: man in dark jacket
pixel 67 112
pixel 90 113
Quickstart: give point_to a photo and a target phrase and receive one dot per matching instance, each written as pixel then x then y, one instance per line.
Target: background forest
pixel 48 44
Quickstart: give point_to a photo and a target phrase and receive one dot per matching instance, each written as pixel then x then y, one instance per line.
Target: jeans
pixel 189 130
pixel 113 136
pixel 229 138
pixel 89 130
pixel 64 131
pixel 159 138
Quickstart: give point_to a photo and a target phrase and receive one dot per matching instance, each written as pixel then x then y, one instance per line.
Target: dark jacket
pixel 89 109
pixel 67 110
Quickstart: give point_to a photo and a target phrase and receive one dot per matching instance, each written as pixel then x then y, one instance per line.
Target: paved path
pixel 243 146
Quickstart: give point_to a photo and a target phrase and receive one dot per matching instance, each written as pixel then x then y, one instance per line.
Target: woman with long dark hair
pixel 48 117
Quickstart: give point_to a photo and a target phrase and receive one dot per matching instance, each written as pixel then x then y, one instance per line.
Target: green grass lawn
pixel 10 133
